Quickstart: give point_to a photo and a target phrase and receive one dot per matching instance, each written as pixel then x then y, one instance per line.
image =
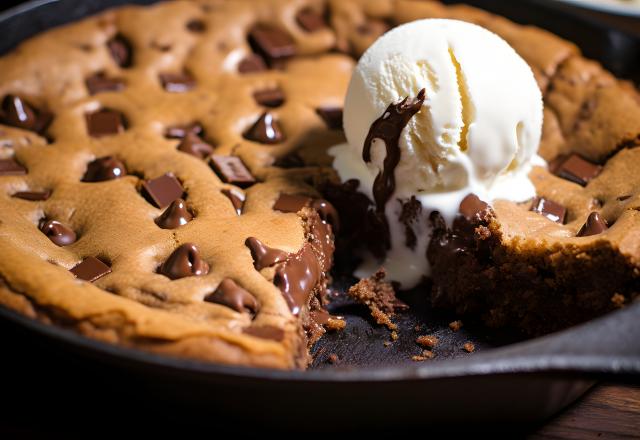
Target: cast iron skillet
pixel 371 385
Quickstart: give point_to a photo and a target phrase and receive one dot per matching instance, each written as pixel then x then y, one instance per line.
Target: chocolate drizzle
pixel 388 128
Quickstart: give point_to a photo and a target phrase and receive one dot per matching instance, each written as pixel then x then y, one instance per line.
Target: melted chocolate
pixel 233 296
pixel 263 255
pixel 297 277
pixel 388 128
pixel 185 261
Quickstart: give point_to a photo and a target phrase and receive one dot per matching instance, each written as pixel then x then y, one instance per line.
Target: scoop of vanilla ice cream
pixel 477 132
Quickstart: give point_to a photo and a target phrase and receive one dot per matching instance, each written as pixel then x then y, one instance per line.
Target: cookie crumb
pixel 426 354
pixel 386 343
pixel 394 335
pixel 428 341
pixel 333 358
pixel 455 325
pixel 379 296
pixel 618 300
pixel 335 324
pixel 469 347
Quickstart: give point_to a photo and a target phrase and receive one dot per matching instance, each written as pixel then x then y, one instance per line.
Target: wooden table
pixel 607 411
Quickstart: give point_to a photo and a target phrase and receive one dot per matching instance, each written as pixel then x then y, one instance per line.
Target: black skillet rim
pixel 539 355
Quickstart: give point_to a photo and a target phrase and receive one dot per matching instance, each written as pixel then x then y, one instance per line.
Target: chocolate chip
pixel 594 225
pixel 272 43
pixel 184 262
pixel 19 113
pixel 175 215
pixel 332 116
pixel 623 198
pixel 104 122
pixel 265 332
pixel 180 131
pixel 99 83
pixel 265 130
pixel 550 209
pixel 120 50
pixel 104 168
pixel 236 198
pixel 269 97
pixel 578 170
pixel 58 233
pixel 194 145
pixel 196 26
pixel 310 20
pixel 90 269
pixel 162 190
pixel 33 196
pixel 252 63
pixel 233 296
pixel 472 207
pixel 291 203
pixel 177 82
pixel 263 255
pixel 230 169
pixel 9 167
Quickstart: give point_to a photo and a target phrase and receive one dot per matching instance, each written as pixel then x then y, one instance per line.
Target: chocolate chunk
pixel 196 25
pixel 291 203
pixel 472 207
pixel 594 225
pixel 58 233
pixel 265 130
pixel 104 168
pixel 265 332
pixel 194 145
pixel 120 50
pixel 332 116
pixel 263 255
pixel 269 97
pixel 181 131
pixel 550 209
pixel 233 296
pixel 18 113
pixel 99 83
pixel 230 169
pixel 177 82
pixel 236 198
pixel 252 63
pixel 272 43
pixel 578 170
pixel 162 190
pixel 184 262
pixel 175 215
pixel 297 278
pixel 9 167
pixel 33 196
pixel 310 20
pixel 90 269
pixel 104 122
